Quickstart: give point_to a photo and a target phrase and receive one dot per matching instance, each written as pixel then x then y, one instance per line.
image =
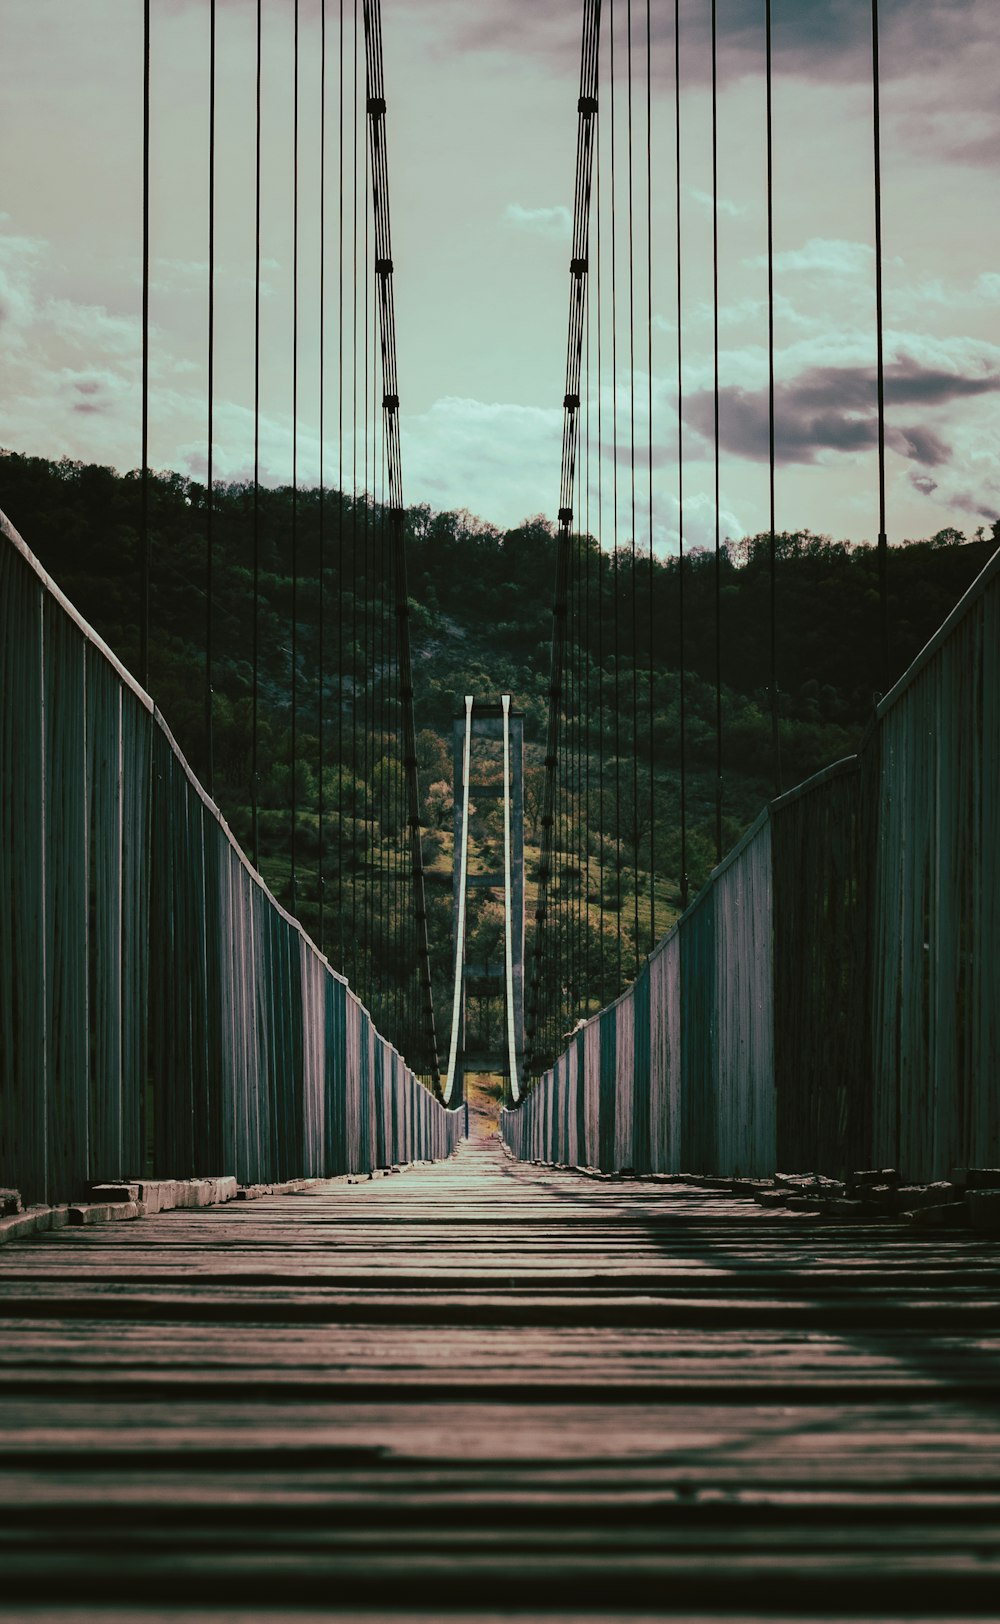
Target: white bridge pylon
pixel 495 721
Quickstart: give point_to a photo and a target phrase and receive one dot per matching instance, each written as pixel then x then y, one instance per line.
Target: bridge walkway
pixel 489 1387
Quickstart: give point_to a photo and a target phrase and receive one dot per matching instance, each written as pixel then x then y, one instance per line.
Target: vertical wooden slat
pixel 137 728
pixel 23 1026
pixel 65 908
pixel 105 813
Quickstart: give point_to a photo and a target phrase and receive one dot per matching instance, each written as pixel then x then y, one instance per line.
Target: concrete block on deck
pixel 984 1208
pixel 771 1198
pixel 14 1226
pixel 114 1191
pixel 949 1215
pixel 32 1221
pixel 105 1212
pixel 982 1178
pixel 204 1192
pixel 872 1178
pixel 909 1196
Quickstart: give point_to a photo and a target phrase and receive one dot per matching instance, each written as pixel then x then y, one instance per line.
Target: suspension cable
pixel 515 1085
pixel 615 556
pixel 209 481
pixel 681 628
pixel 586 119
pixel 633 570
pixel 295 450
pixel 883 542
pixel 463 872
pixel 255 635
pixel 321 651
pixel 144 510
pixel 715 420
pixel 772 539
pixel 340 500
pixel 651 695
pixel 396 513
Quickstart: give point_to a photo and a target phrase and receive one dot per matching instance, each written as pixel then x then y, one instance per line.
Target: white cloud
pixel 499 459
pixel 726 206
pixel 826 256
pixel 554 222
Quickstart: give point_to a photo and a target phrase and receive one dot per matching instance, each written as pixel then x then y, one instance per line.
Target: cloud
pixel 829 256
pixel 725 205
pixel 499 458
pixel 834 409
pixel 555 221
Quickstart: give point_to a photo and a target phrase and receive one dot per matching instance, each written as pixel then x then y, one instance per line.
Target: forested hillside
pixel 480 601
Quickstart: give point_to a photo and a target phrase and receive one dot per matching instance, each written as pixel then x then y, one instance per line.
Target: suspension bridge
pixel 703 1323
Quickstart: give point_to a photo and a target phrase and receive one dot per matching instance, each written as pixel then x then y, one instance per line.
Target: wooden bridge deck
pixel 495 1390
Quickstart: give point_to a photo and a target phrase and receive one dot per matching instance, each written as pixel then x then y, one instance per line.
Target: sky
pixel 482 131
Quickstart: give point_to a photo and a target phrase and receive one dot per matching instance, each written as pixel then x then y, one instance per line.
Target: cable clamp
pixel 587 105
pixel 391 403
pixel 566 515
pixel 571 402
pixel 376 106
pixel 578 267
pixel 383 267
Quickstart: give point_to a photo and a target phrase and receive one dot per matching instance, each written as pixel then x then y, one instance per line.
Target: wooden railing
pixel 160 1013
pixel 831 999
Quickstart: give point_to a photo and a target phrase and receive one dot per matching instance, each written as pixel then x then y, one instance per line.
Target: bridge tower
pixel 487 1045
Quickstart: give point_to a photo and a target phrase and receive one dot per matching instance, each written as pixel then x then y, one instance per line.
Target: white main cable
pixel 515 1087
pixel 456 1011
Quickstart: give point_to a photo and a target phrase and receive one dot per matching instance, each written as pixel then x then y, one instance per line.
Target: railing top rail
pixel 990 569
pixel 84 627
pixel 837 769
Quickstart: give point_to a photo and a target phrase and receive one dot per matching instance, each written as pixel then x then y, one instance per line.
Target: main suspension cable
pixel 463 876
pixel 295 453
pixel 209 480
pixel 255 634
pixel 321 651
pixel 396 512
pixel 681 628
pixel 883 542
pixel 772 538
pixel 586 118
pixel 715 439
pixel 144 508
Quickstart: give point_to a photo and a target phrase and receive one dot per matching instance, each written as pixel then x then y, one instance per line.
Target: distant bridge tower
pixel 497 1046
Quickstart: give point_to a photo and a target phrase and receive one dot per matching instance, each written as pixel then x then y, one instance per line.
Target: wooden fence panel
pixel 831 999
pixel 160 1014
pixel 24 990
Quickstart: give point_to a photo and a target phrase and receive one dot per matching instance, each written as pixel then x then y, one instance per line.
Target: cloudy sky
pixel 482 127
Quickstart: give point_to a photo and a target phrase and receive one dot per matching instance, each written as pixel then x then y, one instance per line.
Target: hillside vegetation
pixel 480 602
